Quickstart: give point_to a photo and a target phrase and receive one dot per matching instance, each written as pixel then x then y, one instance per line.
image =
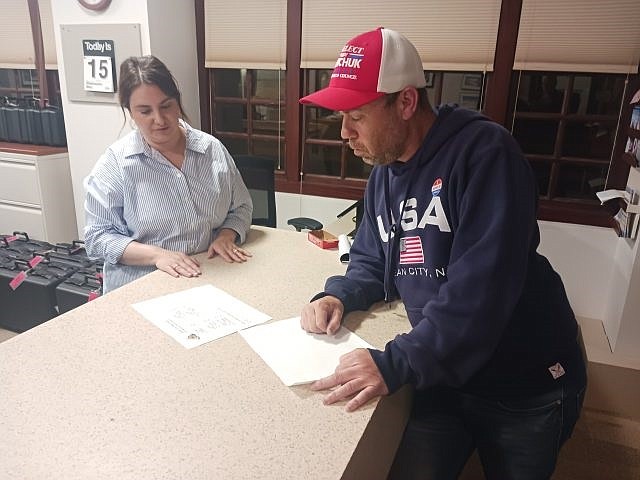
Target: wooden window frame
pixel 248 101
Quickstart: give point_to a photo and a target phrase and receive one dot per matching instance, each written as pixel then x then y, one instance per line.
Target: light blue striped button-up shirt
pixel 134 193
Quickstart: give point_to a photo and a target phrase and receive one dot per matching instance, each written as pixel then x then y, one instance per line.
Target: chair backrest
pixel 258 174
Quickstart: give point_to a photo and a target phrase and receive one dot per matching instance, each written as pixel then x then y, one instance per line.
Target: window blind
pixel 579 36
pixel 245 34
pixel 16 39
pixel 449 34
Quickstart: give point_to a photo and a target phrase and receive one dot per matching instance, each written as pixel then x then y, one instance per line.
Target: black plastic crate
pixel 20 241
pixel 77 290
pixel 33 301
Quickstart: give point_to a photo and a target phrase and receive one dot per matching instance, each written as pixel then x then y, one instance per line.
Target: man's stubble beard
pixel 389 155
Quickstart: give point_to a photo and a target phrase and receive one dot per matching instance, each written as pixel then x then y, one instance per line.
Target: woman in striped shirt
pixel 165 191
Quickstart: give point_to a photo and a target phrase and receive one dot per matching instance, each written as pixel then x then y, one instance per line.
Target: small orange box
pixel 323 239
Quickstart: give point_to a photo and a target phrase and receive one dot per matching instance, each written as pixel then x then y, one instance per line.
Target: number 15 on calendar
pixel 99 75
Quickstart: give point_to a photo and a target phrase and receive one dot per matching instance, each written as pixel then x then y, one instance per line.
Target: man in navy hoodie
pixel 449 228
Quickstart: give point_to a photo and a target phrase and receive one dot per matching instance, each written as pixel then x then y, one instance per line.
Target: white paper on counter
pixel 199 315
pixel 299 357
pixel 344 246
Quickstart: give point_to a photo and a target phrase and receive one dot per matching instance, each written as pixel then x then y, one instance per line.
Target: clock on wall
pixel 96 5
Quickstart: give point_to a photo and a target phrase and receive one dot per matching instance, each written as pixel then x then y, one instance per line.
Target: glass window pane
pixel 325 160
pixel 268 84
pixel 536 136
pixel 268 120
pixel 322 159
pixel 355 167
pixel 54 91
pixel 602 93
pixel 543 92
pixel 542 172
pixel 272 149
pixel 319 79
pixel 236 146
pixel 577 181
pixel 589 140
pixel 463 88
pixel 323 124
pixel 7 78
pixel 228 82
pixel 230 117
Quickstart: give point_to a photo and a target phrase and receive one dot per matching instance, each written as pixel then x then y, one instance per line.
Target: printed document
pixel 296 356
pixel 199 315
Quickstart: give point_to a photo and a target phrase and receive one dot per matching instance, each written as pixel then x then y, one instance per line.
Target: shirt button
pixel 179 175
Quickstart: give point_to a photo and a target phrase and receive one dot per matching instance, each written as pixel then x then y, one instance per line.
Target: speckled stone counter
pixel 101 393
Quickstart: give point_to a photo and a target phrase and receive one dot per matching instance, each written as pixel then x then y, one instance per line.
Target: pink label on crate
pixel 99 276
pixel 12 238
pixel 93 295
pixel 35 260
pixel 17 280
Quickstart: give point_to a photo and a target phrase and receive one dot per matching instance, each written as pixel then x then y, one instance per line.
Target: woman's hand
pixel 225 246
pixel 177 264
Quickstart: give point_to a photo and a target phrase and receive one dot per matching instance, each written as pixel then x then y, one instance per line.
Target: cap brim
pixel 341 99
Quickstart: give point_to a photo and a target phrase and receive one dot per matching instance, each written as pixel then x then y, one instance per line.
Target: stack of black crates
pixel 39 280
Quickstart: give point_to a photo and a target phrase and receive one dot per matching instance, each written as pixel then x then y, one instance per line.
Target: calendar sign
pixel 99 59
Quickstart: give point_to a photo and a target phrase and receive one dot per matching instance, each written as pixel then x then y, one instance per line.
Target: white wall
pixel 617 291
pixel 168 31
pixel 627 340
pixel 322 209
pixel 172 35
pixel 582 255
pixel 622 316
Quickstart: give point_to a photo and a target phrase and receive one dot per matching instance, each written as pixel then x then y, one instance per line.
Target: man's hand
pixel 355 376
pixel 322 316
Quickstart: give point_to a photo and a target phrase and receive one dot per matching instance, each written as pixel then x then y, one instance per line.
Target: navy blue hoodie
pixel 453 233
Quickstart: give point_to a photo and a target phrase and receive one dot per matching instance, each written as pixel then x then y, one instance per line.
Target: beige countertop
pixel 100 392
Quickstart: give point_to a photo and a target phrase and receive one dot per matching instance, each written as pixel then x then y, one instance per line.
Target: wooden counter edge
pixel 374 454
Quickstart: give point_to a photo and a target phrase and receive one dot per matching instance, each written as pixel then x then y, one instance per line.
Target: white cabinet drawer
pixel 14 218
pixel 19 183
pixel 36 196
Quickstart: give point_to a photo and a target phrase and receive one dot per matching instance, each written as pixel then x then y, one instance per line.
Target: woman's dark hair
pixel 135 71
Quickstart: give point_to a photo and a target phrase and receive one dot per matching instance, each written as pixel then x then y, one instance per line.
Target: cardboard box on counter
pixel 323 239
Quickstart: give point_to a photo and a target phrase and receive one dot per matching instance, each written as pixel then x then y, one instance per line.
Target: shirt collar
pixel 136 145
pixel 194 141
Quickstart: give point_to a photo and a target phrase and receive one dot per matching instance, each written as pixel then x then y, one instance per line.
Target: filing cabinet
pixel 36 196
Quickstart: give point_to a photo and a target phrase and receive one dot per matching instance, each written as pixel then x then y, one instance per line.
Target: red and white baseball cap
pixel 370 65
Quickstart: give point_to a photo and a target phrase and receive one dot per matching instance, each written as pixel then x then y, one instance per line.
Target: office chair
pixel 258 174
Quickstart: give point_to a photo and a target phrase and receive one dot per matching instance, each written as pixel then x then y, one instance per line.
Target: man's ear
pixel 408 102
